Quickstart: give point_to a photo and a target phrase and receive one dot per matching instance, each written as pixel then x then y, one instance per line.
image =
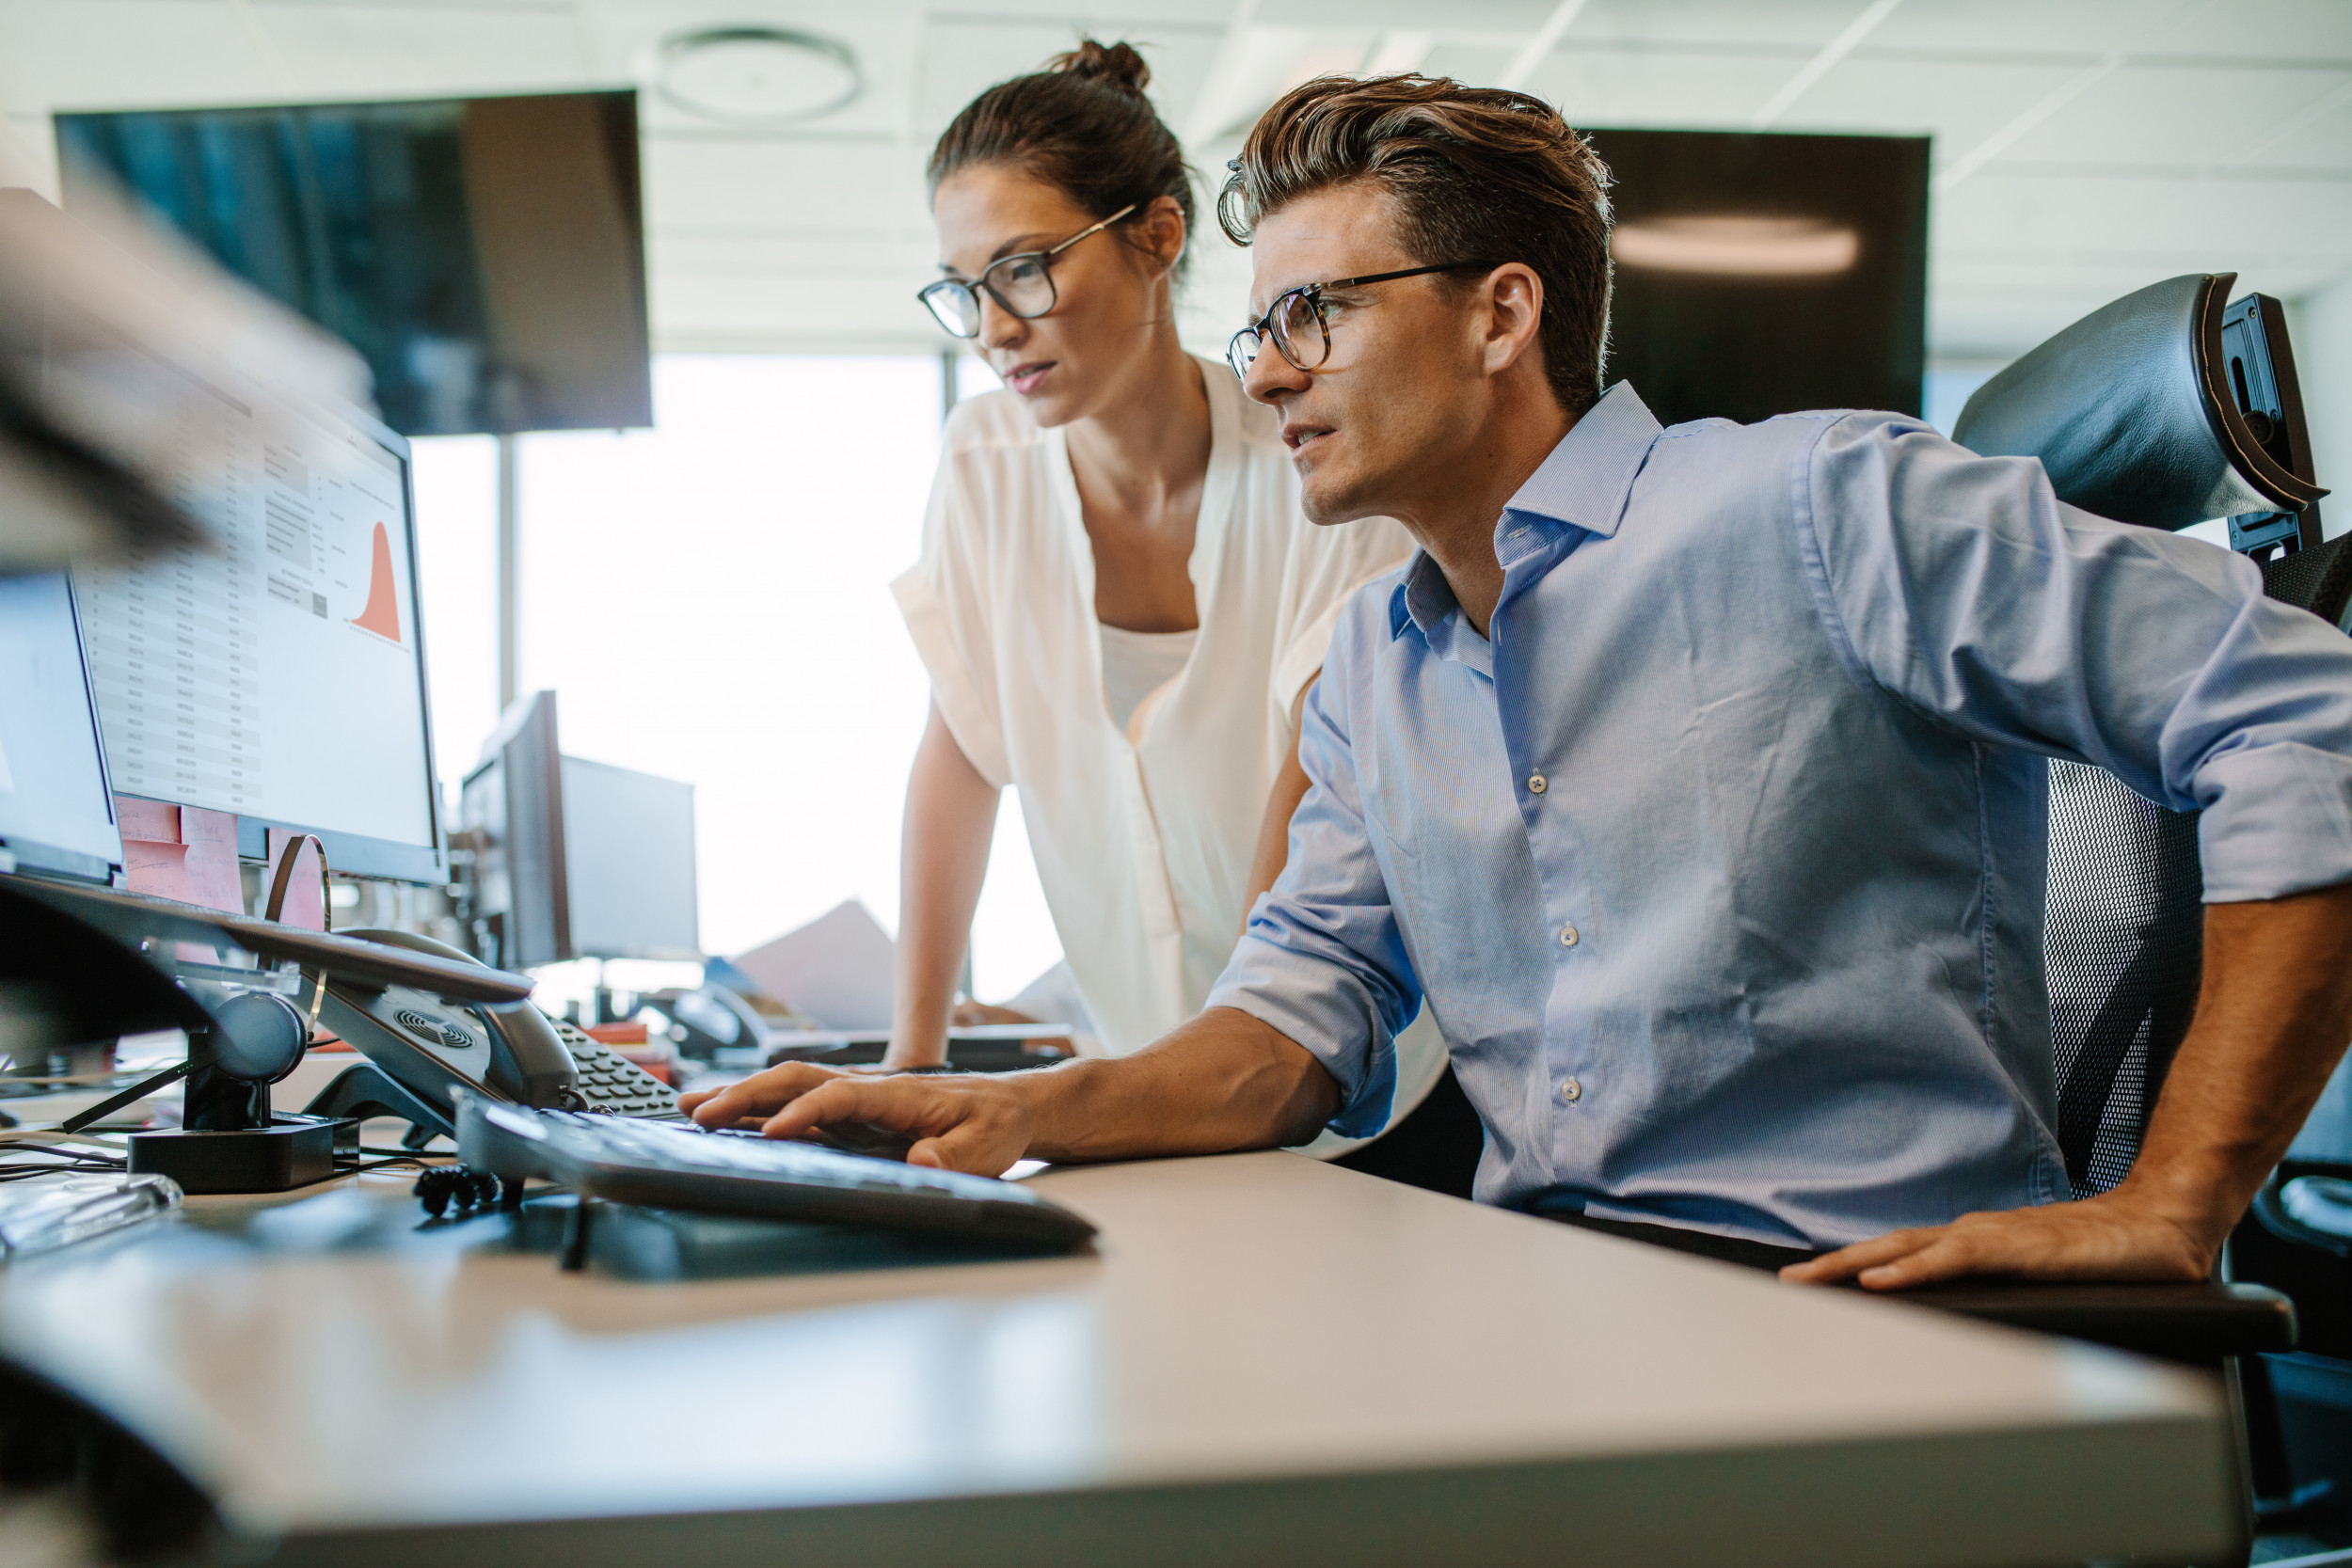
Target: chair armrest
pixel 2199 1324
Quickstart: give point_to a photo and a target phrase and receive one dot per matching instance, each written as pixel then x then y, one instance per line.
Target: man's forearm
pixel 1224 1081
pixel 2273 1016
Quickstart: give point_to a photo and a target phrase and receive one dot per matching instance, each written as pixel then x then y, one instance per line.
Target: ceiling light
pixel 1737 247
pixel 766 75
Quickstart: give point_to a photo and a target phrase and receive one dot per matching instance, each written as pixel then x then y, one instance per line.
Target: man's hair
pixel 1475 174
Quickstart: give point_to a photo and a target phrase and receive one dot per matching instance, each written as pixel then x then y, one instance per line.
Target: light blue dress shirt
pixel 1720 860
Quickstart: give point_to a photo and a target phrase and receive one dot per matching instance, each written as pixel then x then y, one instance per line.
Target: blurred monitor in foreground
pixel 56 812
pixel 575 859
pixel 1760 274
pixel 487 256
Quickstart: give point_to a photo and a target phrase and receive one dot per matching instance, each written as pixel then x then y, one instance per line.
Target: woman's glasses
pixel 1022 285
pixel 1299 325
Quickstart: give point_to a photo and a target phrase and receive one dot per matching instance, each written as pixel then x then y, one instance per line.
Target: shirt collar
pixel 1585 482
pixel 1589 476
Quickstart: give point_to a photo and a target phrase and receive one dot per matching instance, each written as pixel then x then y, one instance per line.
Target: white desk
pixel 1270 1361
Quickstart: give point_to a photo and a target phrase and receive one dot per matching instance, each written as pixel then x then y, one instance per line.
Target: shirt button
pixel 1571 1091
pixel 1568 936
pixel 1537 784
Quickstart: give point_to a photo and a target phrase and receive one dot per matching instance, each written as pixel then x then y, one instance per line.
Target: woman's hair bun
pixel 1118 65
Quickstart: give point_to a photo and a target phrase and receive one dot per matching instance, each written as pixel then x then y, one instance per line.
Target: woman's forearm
pixel 950 819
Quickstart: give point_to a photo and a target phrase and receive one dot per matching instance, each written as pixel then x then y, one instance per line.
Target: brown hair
pixel 1082 124
pixel 1475 174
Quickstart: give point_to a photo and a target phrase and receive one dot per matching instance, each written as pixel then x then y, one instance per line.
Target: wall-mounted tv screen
pixel 1758 273
pixel 486 255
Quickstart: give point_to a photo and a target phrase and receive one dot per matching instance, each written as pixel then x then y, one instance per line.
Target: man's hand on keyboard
pixel 977 1124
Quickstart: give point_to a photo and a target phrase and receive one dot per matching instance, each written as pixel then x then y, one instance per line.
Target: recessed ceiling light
pixel 1742 246
pixel 770 75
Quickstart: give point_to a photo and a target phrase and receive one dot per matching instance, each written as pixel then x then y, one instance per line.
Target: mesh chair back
pixel 2125 939
pixel 2123 944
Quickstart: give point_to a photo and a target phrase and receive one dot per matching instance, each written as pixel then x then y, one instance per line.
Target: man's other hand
pixel 968 1123
pixel 2115 1236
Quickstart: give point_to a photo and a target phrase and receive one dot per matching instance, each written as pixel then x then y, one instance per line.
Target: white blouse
pixel 1138 666
pixel 1143 846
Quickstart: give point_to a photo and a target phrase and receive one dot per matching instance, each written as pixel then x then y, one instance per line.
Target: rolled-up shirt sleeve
pixel 1323 959
pixel 1963 586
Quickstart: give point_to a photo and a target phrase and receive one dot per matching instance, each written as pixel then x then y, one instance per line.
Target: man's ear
pixel 1514 314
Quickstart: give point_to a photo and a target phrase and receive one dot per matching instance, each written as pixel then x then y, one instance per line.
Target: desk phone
pixel 420 1048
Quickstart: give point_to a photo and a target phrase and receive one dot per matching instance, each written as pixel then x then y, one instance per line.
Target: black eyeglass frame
pixel 972 289
pixel 1262 328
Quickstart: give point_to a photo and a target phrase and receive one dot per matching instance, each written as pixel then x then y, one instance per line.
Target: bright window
pixel 710 601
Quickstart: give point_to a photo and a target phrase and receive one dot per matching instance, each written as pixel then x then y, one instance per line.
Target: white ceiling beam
pixel 1539 45
pixel 1823 63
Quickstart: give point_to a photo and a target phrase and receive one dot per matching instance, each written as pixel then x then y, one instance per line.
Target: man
pixel 1696 777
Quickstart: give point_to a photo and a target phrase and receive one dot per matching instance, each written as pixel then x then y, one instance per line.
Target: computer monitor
pixel 486 255
pixel 572 859
pixel 56 810
pixel 511 811
pixel 1759 273
pixel 628 857
pixel 280 676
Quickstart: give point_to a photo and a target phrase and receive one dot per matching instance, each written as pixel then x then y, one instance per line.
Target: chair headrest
pixel 2129 412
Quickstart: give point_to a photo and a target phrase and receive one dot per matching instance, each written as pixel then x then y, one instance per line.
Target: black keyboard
pixel 671 1165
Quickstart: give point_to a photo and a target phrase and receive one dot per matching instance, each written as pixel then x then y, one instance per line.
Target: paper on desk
pixel 839 969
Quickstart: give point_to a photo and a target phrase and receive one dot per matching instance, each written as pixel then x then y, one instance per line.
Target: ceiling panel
pixel 79 56
pixel 885 34
pixel 2221 135
pixel 804 186
pixel 2136 115
pixel 1959 104
pixel 1621 87
pixel 2083 28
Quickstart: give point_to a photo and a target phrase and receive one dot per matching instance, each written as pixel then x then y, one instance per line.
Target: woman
pixel 1118 601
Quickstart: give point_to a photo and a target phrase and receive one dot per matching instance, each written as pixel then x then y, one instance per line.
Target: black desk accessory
pixel 659 1166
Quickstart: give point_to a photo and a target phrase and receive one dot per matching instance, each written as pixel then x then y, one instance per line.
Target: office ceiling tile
pixel 2287 30
pixel 1637 87
pixel 1959 104
pixel 1799 25
pixel 963 58
pixel 805 187
pixel 2017 29
pixel 128 53
pixel 883 35
pixel 2054 219
pixel 355 52
pixel 2134 116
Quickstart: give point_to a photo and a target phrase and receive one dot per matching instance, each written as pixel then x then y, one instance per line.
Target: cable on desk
pixel 72 1162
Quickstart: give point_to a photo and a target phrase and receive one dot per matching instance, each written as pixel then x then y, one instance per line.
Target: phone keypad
pixel 610 1081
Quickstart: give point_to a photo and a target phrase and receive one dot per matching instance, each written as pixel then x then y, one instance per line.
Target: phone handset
pixel 528 1062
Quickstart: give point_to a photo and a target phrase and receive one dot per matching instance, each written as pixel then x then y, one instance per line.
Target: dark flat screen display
pixel 1760 274
pixel 486 256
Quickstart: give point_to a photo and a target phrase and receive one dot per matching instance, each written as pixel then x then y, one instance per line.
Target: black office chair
pixel 2168 407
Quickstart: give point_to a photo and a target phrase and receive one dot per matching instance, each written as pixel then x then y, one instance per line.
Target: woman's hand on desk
pixel 968 1123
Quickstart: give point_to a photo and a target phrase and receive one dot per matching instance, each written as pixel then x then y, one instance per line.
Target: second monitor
pixel 575 859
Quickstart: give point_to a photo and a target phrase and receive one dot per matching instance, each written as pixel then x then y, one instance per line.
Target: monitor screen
pixel 1761 273
pixel 486 256
pixel 512 809
pixel 56 812
pixel 281 675
pixel 629 855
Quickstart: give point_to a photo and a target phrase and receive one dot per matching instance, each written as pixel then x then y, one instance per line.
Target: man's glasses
pixel 1298 326
pixel 1022 285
